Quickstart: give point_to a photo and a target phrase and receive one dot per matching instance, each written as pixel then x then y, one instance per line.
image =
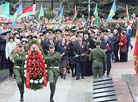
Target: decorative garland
pixel 35 68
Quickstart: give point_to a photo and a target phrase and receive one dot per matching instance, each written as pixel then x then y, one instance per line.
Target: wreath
pixel 35 67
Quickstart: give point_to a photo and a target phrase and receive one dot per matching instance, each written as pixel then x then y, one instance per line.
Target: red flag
pixel 29 9
pixel 75 12
pixel 136 51
pixel 127 14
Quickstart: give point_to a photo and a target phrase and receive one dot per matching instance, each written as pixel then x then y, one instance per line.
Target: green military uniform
pixel 53 61
pixel 98 58
pixel 19 59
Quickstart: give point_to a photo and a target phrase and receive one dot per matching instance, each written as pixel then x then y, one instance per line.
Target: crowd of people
pixel 74 45
pixel 83 49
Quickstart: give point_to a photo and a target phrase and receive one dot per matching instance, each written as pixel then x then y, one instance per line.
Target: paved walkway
pixel 70 90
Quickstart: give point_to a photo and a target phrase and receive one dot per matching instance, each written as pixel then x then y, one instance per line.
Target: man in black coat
pixel 81 49
pixel 116 38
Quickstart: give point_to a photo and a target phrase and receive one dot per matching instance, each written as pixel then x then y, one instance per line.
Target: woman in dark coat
pixel 61 48
pixel 123 47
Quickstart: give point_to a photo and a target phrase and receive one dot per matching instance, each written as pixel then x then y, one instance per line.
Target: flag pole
pixel 89 8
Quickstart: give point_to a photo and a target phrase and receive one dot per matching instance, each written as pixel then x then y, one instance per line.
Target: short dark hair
pixel 11 37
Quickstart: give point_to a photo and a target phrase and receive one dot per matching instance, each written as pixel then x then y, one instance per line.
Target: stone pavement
pixel 71 90
pixel 68 90
pixel 118 69
pixel 4 74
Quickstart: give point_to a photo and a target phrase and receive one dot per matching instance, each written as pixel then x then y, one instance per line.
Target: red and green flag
pixel 136 51
pixel 75 12
pixel 127 14
pixel 28 11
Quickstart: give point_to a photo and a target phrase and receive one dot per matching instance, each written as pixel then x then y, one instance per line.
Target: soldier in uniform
pixel 18 56
pixel 53 59
pixel 98 58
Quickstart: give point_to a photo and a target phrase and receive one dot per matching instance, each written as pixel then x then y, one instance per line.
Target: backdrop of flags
pixel 136 51
pixel 112 11
pixel 29 11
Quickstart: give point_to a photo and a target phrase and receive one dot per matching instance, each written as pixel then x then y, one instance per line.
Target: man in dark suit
pixel 116 38
pixel 107 46
pixel 81 49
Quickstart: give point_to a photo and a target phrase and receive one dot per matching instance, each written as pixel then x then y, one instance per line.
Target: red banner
pixel 136 51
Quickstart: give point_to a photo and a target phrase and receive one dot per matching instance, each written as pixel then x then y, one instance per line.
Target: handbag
pixel 123 50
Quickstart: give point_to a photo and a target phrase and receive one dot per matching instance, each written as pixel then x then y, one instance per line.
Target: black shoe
pixel 51 100
pixel 82 77
pixel 61 76
pixel 73 75
pixel 64 76
pixel 77 78
pixel 21 100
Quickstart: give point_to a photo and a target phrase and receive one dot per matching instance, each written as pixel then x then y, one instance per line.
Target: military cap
pixel 4 32
pixel 51 46
pixel 97 41
pixel 44 31
pixel 19 45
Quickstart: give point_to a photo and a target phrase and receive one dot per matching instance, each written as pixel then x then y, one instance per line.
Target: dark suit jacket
pixel 79 50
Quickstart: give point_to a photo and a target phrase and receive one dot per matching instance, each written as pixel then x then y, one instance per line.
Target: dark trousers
pixel 123 57
pixel 116 54
pixel 80 67
pixel 10 65
pixel 107 66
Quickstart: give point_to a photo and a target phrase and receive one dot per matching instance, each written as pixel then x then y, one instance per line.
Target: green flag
pixel 127 15
pixel 5 9
pixel 41 13
pixel 97 22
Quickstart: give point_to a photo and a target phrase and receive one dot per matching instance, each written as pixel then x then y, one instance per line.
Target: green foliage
pixel 36 86
pixel 36 42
